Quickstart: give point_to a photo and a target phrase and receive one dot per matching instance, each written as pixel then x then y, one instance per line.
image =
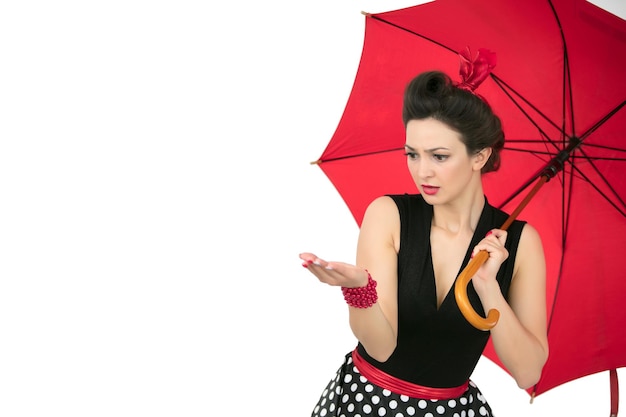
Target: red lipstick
pixel 429 189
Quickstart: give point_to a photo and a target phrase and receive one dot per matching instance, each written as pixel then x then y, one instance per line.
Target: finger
pixel 497 233
pixel 488 245
pixel 307 258
pixel 311 259
pixel 307 255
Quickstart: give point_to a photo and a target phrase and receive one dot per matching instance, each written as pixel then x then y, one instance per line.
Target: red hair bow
pixel 474 71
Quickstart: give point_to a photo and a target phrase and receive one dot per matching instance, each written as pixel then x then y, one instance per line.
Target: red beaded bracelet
pixel 361 297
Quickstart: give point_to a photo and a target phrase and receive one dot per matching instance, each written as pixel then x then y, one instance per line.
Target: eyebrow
pixel 428 150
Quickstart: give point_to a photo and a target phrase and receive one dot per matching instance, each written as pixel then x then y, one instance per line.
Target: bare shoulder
pixel 382 220
pixel 382 212
pixel 530 259
pixel 530 240
pixel 381 205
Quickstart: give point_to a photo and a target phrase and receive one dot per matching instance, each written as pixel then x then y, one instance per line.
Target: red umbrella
pixel 559 89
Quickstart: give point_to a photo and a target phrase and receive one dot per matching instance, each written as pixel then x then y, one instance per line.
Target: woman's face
pixel 438 161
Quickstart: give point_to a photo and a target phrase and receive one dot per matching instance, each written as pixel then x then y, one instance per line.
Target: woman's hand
pixel 338 274
pixel 493 243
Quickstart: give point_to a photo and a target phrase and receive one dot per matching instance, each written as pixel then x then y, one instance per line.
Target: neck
pixel 461 215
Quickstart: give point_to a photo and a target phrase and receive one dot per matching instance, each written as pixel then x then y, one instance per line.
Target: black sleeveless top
pixel 437 347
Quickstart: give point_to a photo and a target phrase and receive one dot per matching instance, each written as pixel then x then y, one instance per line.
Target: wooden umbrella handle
pixel 460 293
pixel 460 287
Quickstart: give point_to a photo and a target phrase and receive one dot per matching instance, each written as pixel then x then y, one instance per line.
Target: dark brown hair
pixel 433 95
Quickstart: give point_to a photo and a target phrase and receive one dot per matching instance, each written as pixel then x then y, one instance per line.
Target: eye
pixel 411 155
pixel 440 158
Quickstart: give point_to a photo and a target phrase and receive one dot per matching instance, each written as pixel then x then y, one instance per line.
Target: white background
pixel 155 191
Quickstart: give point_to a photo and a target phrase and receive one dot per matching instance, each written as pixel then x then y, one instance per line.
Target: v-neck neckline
pixel 451 289
pixel 479 231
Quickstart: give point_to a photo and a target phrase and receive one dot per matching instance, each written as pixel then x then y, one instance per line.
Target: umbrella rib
pixel 602 121
pixel 586 157
pixel 605 181
pixel 599 158
pixel 412 32
pixel 567 79
pixel 319 161
pixel 501 84
pixel 605 147
pixel 588 145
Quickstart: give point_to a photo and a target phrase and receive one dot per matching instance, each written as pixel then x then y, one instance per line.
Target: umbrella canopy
pixel 559 89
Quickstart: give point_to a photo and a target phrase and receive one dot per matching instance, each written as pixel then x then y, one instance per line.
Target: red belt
pixel 401 387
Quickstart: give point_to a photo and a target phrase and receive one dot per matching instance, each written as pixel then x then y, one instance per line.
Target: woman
pixel 415 351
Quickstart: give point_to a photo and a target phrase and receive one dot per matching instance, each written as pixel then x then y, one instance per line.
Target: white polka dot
pixel 362 379
pixel 482 411
pixel 463 400
pixel 359 397
pixel 441 409
pixel 470 413
pixel 323 413
pixel 382 411
pixel 428 415
pixel 404 398
pixel 367 408
pixel 393 404
pixel 410 411
pixel 369 388
pixel 386 392
pixel 452 403
pixel 331 395
pixel 471 398
pixel 422 404
pixel 375 399
pixel 353 387
pixel 347 378
pixel 463 413
pixel 345 398
pixel 456 415
pixel 399 415
pixel 350 407
pixel 323 402
pixel 331 408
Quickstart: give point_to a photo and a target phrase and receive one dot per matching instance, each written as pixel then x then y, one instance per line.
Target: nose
pixel 424 169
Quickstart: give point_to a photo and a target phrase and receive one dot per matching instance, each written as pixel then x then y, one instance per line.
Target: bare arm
pixel 375 327
pixel 520 336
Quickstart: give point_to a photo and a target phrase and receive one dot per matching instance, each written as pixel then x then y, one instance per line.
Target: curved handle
pixel 460 287
pixel 460 293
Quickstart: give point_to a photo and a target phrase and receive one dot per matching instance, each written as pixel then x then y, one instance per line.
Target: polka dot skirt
pixel 350 394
